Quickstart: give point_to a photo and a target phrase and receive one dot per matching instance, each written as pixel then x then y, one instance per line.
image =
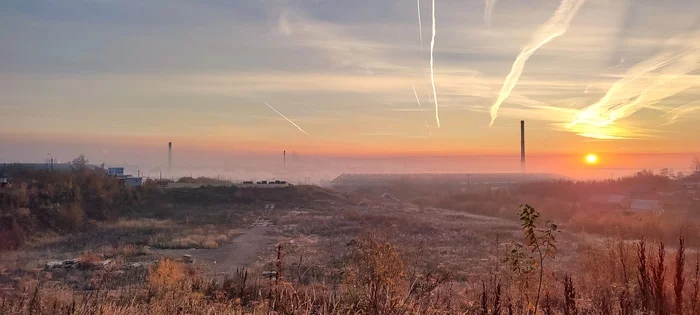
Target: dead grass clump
pixel 88 260
pixel 209 244
pixel 166 275
pixel 141 223
pixel 11 235
pixel 200 241
pixel 128 250
pixel 377 279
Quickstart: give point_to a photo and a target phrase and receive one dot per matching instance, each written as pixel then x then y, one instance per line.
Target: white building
pixel 115 171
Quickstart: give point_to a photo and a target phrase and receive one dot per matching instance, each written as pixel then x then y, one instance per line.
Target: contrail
pixel 285 117
pixel 557 25
pixel 432 69
pixel 647 83
pixel 416 94
pixel 488 11
pixel 420 26
pixel 421 107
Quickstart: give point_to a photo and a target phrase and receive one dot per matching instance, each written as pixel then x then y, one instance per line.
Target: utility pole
pixel 522 146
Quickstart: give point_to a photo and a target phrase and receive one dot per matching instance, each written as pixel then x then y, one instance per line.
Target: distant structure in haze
pixel 170 157
pixel 522 146
pixel 128 180
pixel 472 180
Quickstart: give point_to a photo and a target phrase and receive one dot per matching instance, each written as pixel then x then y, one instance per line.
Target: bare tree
pixel 80 162
pixel 695 167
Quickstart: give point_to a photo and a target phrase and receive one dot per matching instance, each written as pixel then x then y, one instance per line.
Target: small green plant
pixel 527 259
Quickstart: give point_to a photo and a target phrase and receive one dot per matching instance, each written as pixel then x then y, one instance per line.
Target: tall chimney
pixel 170 157
pixel 522 143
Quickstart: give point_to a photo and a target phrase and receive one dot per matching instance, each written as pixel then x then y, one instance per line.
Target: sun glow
pixel 591 159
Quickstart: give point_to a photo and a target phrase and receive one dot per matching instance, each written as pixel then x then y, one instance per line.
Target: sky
pixel 119 79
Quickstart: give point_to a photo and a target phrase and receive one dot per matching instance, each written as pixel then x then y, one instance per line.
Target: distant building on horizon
pixel 458 179
pixel 128 180
pixel 646 206
pixel 604 202
pixel 115 171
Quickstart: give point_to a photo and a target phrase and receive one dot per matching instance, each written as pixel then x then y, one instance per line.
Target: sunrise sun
pixel 591 159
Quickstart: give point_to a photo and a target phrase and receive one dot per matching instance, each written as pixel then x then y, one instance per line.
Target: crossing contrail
pixel 557 25
pixel 420 26
pixel 421 107
pixel 416 94
pixel 432 69
pixel 488 11
pixel 285 117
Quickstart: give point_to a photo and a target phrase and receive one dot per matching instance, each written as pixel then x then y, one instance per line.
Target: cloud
pixel 488 11
pixel 284 26
pixel 644 85
pixel 555 27
pixel 331 60
pixel 343 51
pixel 673 115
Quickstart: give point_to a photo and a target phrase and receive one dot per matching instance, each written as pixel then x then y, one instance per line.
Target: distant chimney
pixel 170 157
pixel 522 144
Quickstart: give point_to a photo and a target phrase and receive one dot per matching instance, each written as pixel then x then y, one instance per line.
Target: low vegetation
pixel 566 202
pixel 613 277
pixel 337 253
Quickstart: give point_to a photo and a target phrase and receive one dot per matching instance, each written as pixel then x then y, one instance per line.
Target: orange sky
pixel 614 78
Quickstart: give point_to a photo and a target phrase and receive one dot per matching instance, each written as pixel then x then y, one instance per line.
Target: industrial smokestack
pixel 170 157
pixel 522 144
pixel 284 157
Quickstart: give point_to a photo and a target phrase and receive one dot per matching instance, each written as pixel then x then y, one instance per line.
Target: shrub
pixel 166 275
pixel 88 260
pixel 11 236
pixel 377 277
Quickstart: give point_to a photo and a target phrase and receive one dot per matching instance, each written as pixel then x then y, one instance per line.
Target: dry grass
pixel 425 261
pixel 377 278
pixel 665 226
pixel 199 241
pixel 166 276
pixel 88 259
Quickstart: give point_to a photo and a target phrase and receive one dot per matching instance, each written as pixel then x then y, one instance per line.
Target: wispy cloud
pixel 488 11
pixel 645 84
pixel 342 50
pixel 673 115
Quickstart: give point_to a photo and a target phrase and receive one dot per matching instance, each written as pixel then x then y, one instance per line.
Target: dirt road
pixel 240 253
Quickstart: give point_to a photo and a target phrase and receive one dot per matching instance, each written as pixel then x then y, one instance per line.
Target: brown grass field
pixel 322 252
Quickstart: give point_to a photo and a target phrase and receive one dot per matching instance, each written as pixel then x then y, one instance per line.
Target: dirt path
pixel 240 253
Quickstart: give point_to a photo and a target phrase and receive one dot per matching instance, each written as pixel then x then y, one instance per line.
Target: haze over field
pixel 525 157
pixel 361 81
